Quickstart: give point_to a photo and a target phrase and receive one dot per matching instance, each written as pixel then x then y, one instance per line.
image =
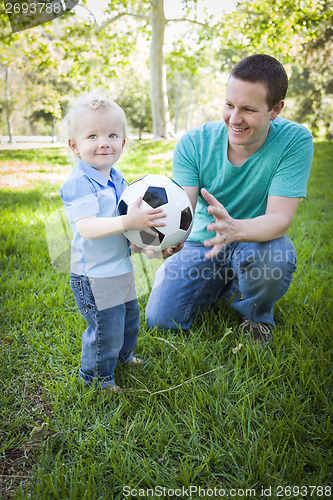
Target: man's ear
pixel 277 109
pixel 73 146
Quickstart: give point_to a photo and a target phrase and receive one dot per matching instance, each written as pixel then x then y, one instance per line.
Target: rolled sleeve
pixel 84 207
pixel 292 174
pixel 80 199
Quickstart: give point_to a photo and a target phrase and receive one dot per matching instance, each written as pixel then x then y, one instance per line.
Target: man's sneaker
pixel 256 333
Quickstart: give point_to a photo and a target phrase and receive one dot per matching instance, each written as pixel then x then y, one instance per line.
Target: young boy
pixel 102 276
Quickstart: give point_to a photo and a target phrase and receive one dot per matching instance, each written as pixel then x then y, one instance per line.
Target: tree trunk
pixel 53 129
pixel 188 109
pixel 159 98
pixel 8 105
pixel 178 95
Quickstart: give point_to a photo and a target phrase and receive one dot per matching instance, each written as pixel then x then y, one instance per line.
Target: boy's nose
pixel 104 143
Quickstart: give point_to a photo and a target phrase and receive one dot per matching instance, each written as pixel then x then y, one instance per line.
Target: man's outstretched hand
pixel 224 225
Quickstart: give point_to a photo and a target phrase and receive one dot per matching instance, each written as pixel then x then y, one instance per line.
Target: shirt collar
pixel 93 173
pixel 97 176
pixel 116 176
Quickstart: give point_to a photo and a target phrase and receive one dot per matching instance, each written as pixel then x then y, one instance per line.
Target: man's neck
pixel 239 154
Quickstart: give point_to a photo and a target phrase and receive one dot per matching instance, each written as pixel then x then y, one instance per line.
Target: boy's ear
pixel 73 146
pixel 123 144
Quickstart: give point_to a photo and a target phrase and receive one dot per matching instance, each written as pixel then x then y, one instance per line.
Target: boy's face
pixel 246 114
pixel 99 138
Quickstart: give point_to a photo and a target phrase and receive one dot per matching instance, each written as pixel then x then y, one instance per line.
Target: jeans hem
pixel 126 357
pixel 89 380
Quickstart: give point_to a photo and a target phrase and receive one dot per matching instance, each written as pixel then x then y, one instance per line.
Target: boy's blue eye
pixel 92 136
pixel 113 136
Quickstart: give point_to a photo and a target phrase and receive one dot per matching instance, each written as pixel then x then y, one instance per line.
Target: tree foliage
pixel 299 34
pixel 153 22
pixel 280 27
pixel 41 68
pixel 49 63
pixel 31 64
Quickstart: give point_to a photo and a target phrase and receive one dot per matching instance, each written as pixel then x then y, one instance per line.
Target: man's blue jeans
pixel 111 335
pixel 253 275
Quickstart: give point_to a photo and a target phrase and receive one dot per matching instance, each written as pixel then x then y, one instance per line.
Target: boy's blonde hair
pixel 93 100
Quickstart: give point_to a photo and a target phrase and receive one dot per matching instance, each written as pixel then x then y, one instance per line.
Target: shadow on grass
pixel 54 156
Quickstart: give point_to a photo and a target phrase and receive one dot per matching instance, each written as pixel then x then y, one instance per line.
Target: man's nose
pixel 236 117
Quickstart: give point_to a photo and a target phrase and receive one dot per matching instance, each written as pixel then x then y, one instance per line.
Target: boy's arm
pixel 94 227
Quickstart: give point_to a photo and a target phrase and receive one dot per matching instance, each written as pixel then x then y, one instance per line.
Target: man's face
pixel 246 114
pixel 99 138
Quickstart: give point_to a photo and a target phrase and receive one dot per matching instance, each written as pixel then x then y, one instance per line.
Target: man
pixel 244 176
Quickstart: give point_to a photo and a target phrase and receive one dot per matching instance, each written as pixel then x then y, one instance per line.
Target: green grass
pixel 196 413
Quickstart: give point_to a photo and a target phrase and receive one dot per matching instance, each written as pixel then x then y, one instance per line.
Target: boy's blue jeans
pixel 253 275
pixel 111 335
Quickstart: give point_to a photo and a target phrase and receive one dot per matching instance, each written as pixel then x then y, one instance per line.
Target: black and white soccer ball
pixel 159 191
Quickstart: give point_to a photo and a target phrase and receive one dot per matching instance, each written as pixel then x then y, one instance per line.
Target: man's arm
pixel 193 193
pixel 273 225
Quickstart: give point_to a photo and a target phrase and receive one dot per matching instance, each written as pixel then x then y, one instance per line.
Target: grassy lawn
pixel 201 411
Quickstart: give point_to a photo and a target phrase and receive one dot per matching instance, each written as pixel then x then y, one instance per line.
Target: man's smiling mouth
pixel 238 129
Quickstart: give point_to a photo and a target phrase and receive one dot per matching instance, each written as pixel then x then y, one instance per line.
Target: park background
pixel 205 409
pixel 166 62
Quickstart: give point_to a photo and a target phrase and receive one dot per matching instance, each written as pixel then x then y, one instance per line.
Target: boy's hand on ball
pixel 143 220
pixel 156 214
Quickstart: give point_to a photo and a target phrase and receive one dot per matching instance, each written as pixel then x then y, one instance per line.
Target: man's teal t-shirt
pixel 280 167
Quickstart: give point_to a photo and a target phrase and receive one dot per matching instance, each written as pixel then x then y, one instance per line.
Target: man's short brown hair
pixel 265 69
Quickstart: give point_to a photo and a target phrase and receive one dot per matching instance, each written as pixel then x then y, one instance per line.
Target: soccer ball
pixel 159 190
